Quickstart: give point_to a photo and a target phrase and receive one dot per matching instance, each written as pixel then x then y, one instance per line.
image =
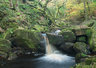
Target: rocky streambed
pixel 79 42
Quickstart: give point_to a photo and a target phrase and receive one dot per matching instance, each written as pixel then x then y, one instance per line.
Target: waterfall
pixel 49 48
pixel 53 55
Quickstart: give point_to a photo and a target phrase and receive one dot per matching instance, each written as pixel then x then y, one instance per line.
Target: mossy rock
pixel 68 35
pixel 89 62
pixel 26 39
pixel 5 48
pixel 12 56
pixel 80 47
pixel 5 45
pixel 80 56
pixel 55 39
pixel 82 31
pixel 92 40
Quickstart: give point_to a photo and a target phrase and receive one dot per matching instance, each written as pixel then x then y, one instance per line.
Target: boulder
pixel 82 31
pixel 67 47
pixel 55 39
pixel 5 45
pixel 5 49
pixel 68 35
pixel 26 39
pixel 80 47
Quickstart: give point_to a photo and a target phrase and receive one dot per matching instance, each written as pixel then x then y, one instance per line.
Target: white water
pixel 53 55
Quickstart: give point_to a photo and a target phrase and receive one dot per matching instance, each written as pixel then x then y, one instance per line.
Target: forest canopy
pixel 43 14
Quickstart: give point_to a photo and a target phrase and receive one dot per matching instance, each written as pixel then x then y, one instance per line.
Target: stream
pixel 47 61
pixel 52 59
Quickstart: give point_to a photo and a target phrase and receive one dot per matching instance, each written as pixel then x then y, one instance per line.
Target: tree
pixel 11 4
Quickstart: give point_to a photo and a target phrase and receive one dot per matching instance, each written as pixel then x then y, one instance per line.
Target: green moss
pixel 26 39
pixel 88 62
pixel 81 39
pixel 88 32
pixel 80 47
pixel 68 35
pixel 5 45
pixel 79 56
pixel 83 55
pixel 92 40
pixel 18 13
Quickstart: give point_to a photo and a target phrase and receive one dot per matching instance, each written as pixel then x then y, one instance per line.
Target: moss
pixel 18 13
pixel 83 55
pixel 81 39
pixel 5 48
pixel 68 35
pixel 54 39
pixel 5 45
pixel 79 56
pixel 89 62
pixel 26 39
pixel 88 32
pixel 92 40
pixel 80 47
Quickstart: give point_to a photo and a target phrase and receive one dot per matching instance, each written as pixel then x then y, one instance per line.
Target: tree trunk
pixel 85 9
pixel 11 4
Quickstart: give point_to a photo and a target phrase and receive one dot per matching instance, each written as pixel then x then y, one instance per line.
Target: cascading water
pixel 48 47
pixel 53 55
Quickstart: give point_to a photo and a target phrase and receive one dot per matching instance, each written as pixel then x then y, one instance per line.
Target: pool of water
pixel 47 61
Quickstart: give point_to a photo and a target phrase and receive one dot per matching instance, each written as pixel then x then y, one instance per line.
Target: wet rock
pixel 12 56
pixel 67 47
pixel 55 39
